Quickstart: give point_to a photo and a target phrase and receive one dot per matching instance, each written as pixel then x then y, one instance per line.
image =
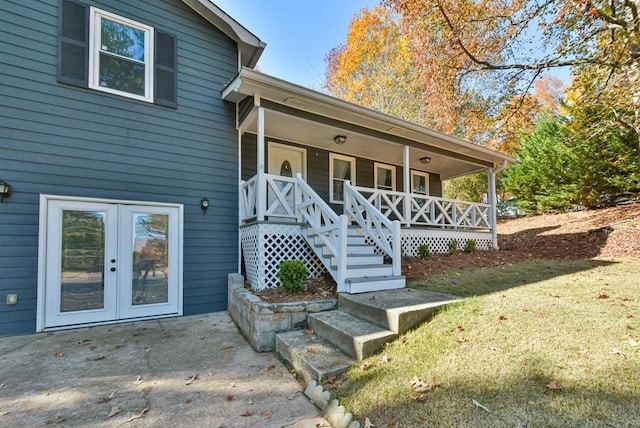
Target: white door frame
pixel 42 251
pixel 301 150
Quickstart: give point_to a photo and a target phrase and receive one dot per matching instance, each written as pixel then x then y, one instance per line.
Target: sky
pixel 298 33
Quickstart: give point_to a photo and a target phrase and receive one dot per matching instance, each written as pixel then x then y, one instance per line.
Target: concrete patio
pixel 189 371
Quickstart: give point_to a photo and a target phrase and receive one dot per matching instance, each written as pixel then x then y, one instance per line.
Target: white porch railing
pixel 384 232
pixel 413 209
pixel 327 226
pixel 271 196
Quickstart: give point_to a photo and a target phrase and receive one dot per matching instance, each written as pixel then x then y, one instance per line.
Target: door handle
pixel 113 269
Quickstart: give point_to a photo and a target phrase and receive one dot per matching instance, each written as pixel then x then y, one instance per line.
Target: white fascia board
pixel 250 46
pixel 252 82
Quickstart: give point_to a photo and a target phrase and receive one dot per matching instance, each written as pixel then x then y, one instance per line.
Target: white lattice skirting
pixel 266 245
pixel 438 240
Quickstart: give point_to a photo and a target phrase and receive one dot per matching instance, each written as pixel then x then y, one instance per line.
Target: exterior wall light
pixel 340 139
pixel 204 204
pixel 425 160
pixel 5 190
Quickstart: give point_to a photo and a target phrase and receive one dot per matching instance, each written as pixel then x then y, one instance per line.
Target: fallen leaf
pixel 139 415
pixel 4 413
pixel 308 331
pixel 114 411
pixel 422 386
pixel 56 421
pixel 250 401
pixel 368 424
pixel 190 379
pixel 47 393
pixel 228 349
pixel 83 341
pixel 418 397
pixel 271 367
pixel 526 309
pixel 494 348
pixel 329 380
pixel 267 414
pixel 633 343
pixel 384 359
pixel 554 295
pixel 311 350
pixel 619 352
pixel 502 318
pixel 603 296
pixel 480 406
pixel 629 327
pixel 96 358
pixel 59 354
pixel 229 397
pixel 460 339
pixel 293 395
pixel 109 397
pixel 404 340
pixel 552 386
pixel 459 328
pixel 138 380
pixel 246 414
pixel 629 316
pixel 366 365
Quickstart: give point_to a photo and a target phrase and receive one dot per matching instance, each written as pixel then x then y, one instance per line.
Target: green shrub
pixel 453 246
pixel 471 246
pixel 424 251
pixel 291 275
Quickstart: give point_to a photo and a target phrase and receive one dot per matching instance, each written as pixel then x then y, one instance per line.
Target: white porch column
pixel 493 211
pixel 261 191
pixel 407 187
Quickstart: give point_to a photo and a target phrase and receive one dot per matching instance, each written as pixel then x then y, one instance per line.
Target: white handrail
pixel 384 232
pixel 330 228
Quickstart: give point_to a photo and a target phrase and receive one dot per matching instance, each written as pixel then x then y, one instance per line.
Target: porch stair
pixel 358 329
pixel 366 270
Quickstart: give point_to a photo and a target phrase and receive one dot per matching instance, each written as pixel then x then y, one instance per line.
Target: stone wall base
pixel 260 321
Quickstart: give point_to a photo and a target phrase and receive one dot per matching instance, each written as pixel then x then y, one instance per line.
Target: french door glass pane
pixel 150 259
pixel 82 262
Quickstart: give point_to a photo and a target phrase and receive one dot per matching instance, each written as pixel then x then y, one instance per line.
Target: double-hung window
pixel 420 182
pixel 106 52
pixel 120 56
pixel 341 169
pixel 385 176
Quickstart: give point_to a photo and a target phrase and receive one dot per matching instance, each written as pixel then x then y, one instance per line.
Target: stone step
pixel 396 310
pixel 354 336
pixel 375 283
pixel 311 356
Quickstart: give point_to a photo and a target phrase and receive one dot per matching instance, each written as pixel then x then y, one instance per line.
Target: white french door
pixel 109 262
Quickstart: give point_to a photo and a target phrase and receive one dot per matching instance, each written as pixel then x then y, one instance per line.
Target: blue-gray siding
pixel 63 140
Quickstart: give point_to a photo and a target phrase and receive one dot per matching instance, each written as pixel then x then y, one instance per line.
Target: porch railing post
pixel 342 253
pixel 397 249
pixel 407 189
pixel 297 198
pixel 242 207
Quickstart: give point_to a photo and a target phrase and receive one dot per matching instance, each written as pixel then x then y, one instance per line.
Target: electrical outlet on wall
pixel 12 299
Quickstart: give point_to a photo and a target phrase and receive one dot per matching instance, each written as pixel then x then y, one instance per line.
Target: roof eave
pixel 249 45
pixel 248 81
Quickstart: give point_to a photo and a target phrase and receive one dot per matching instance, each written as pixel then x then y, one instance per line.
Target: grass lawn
pixel 551 343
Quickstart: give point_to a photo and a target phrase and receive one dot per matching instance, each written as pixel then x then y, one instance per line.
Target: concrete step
pixel 375 283
pixel 396 310
pixel 311 356
pixel 354 336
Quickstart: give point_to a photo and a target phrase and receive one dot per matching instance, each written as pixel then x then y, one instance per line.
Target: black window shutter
pixel 73 43
pixel 166 67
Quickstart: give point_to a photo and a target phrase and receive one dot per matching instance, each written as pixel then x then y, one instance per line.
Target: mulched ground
pixel 604 233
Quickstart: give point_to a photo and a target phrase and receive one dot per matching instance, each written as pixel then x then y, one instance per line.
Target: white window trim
pixel 94 54
pixel 332 157
pixel 420 174
pixel 392 168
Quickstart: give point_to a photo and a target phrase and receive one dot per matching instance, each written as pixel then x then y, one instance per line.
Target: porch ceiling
pixel 311 118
